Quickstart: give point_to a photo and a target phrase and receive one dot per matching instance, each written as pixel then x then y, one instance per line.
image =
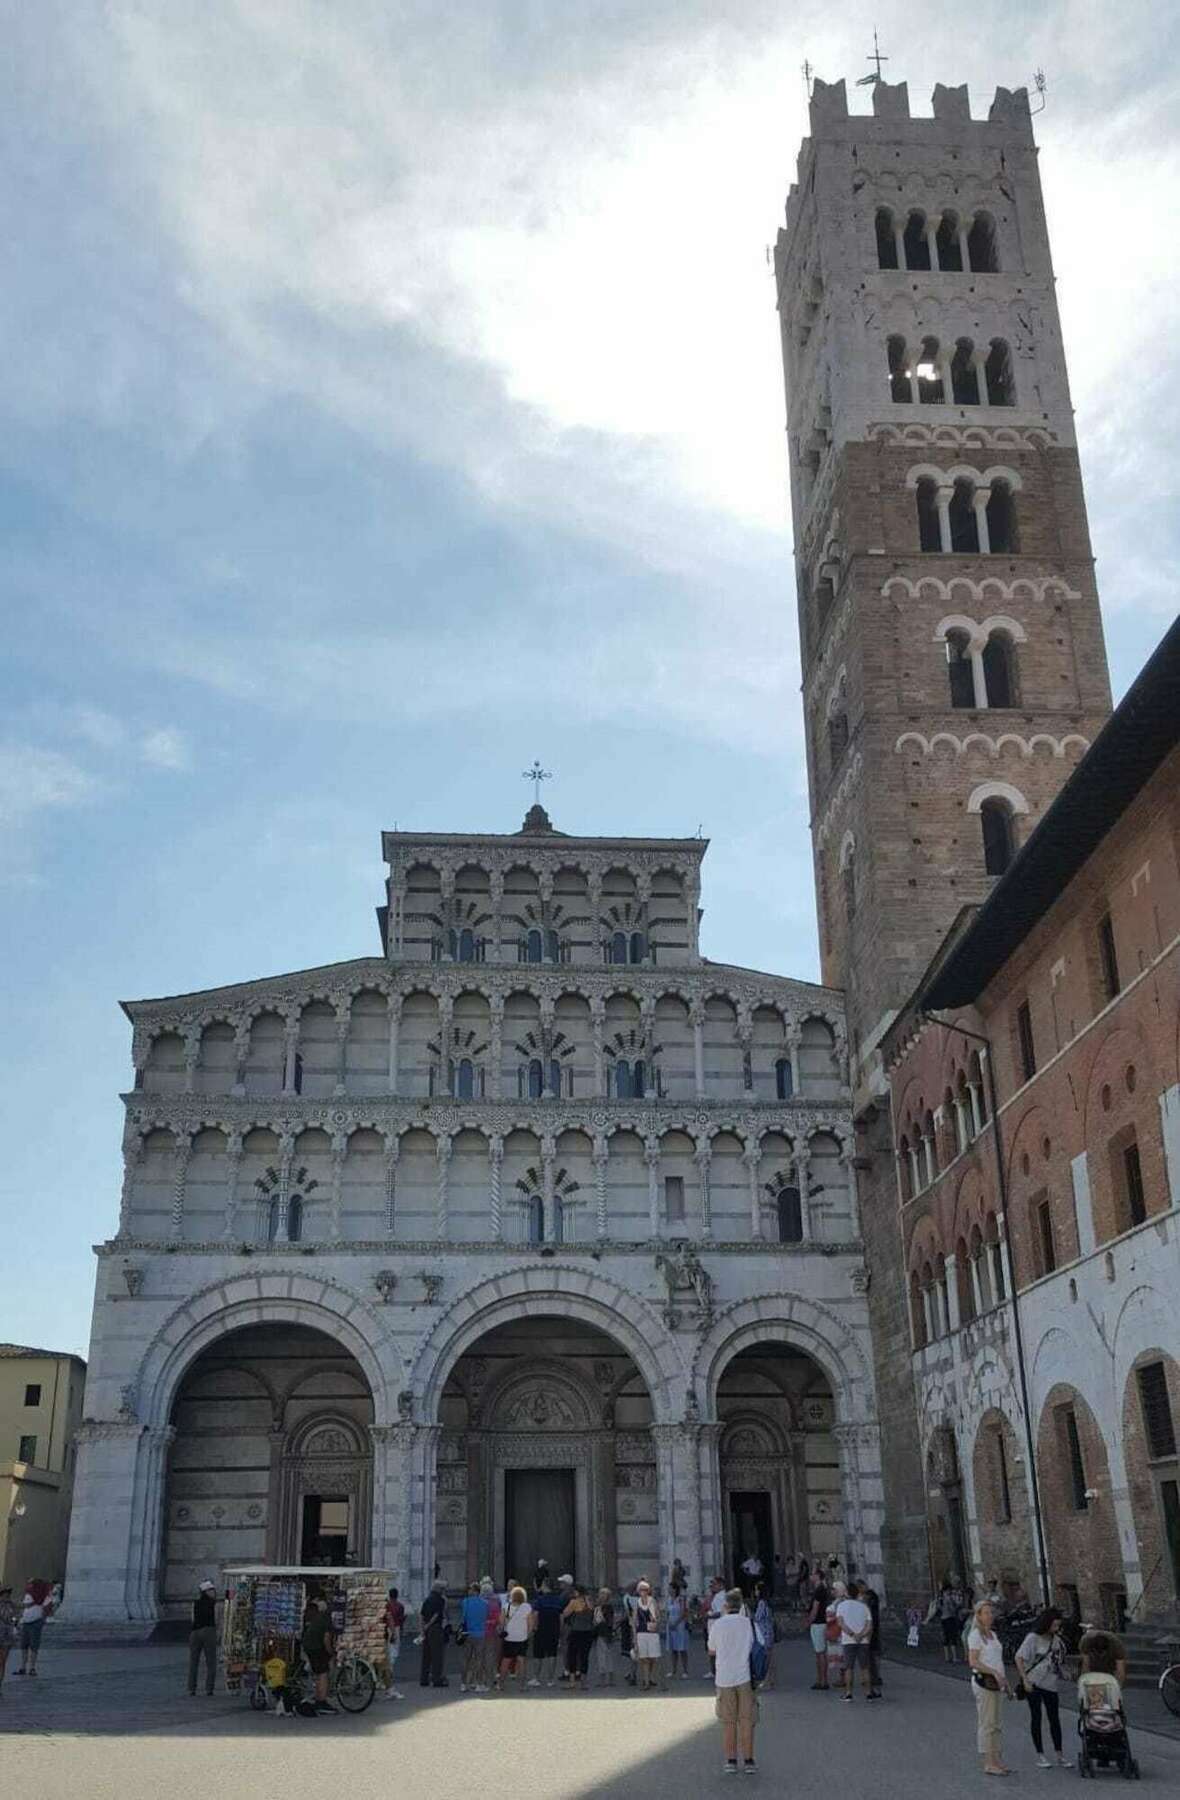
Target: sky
pixel 392 396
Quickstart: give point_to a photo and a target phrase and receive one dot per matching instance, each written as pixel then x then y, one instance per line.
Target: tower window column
pixel 942 499
pixel 979 500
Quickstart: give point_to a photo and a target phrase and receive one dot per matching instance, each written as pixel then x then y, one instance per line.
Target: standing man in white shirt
pixel 731 1638
pixel 856 1628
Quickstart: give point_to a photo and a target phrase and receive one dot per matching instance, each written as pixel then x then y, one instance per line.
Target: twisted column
pixel 339 1152
pixel 132 1157
pixel 179 1174
pixel 599 1158
pixel 495 1177
pixel 393 1150
pixel 443 1153
pixel 233 1169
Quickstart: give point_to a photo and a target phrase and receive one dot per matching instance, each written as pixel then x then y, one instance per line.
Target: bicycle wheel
pixel 1170 1688
pixel 356 1685
pixel 258 1697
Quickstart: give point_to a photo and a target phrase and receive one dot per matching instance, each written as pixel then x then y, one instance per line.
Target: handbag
pixel 1021 1690
pixel 985 1679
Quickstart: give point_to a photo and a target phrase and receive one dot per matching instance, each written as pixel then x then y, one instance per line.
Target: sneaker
pixel 847 1698
pixel 462 1687
pixel 1043 1762
pixel 324 1706
pixel 750 1766
pixel 392 1693
pixel 731 1766
pixel 1063 1762
pixel 535 1684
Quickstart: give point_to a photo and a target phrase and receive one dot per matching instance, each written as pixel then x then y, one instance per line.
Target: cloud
pixel 33 782
pixel 165 748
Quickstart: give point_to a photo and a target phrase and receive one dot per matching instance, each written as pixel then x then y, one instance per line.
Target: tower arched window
pixel 999 838
pixel 623 1080
pixel 272 1222
pixel 298 1077
pixel 536 1219
pixel 784 1081
pixel 905 1168
pixel 900 390
pixel 294 1219
pixel 997 371
pixel 931 1137
pixel 959 670
pixel 555 1078
pixel 982 253
pixel 466 947
pixel 638 946
pixel 964 374
pixel 552 947
pixel 964 1283
pixel 534 947
pixel 790 1216
pixel 917 1311
pixel 929 530
pixel 536 1079
pixel 1001 519
pixel 886 239
pixel 929 374
pixel 999 670
pixel 618 947
pixel 465 1083
pixel 963 522
pixel 917 245
pixel 946 243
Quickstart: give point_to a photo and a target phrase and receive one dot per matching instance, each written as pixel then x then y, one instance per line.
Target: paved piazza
pixel 115 1724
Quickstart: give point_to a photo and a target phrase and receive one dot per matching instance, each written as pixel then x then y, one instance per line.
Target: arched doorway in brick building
pixel 1002 1516
pixel 1085 1563
pixel 949 1550
pixel 1151 1429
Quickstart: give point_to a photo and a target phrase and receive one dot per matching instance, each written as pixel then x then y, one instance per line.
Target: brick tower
pixel 953 660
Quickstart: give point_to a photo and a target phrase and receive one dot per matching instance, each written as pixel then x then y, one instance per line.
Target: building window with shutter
pixel 28 1450
pixel 33 1394
pixel 1108 956
pixel 1126 1173
pixel 1072 1445
pixel 1045 1249
pixel 1158 1424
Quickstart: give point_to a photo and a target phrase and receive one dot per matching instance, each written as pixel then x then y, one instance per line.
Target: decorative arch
pixel 283 1298
pixel 997 790
pixel 538 1288
pixel 791 1319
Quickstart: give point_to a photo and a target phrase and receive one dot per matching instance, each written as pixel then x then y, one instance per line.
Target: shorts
pixel 737 1705
pixel 855 1654
pixel 951 1629
pixel 819 1638
pixel 512 1652
pixel 318 1661
pixel 30 1634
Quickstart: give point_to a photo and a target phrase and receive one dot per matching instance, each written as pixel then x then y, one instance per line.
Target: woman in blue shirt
pixel 473 1619
pixel 676 1621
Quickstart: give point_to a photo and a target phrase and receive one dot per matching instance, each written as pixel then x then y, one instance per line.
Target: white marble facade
pixel 537 1189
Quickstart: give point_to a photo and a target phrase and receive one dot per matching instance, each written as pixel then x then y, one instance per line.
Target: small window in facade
pixel 674 1197
pixel 886 240
pixel 997 370
pixel 784 1082
pixel 638 1081
pixel 959 670
pixel 964 376
pixel 272 1222
pixel 1043 1225
pixel 790 1216
pixel 1025 1041
pixel 555 1078
pixel 929 529
pixel 964 524
pixel 298 1073
pixel 917 248
pixel 837 736
pixel 618 947
pixel 946 243
pixel 1158 1423
pixel 294 1219
pixel 28 1450
pixel 1073 1451
pixel 536 1079
pixel 900 391
pixel 999 846
pixel 622 1080
pixel 536 1219
pixel 1002 535
pixel 638 946
pixel 999 670
pixel 533 947
pixel 465 1084
pixel 929 374
pixel 981 246
pixel 1108 956
pixel 33 1394
pixel 1133 1180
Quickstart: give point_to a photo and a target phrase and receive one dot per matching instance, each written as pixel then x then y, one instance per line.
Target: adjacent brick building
pixel 1036 1109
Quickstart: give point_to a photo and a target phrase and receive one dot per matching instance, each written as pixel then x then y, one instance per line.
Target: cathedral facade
pixel 535 1235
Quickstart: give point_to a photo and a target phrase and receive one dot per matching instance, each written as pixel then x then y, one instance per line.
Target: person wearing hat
pixel 202 1639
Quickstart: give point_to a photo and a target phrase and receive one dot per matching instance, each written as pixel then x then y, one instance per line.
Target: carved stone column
pixel 862 1497
pixel 496 1056
pixel 846 1163
pixel 548 1153
pixel 146 1546
pixel 442 1151
pixel 546 1016
pixel 600 1156
pixel 395 1022
pixel 496 896
pixel 495 1189
pixel 192 1056
pixel 598 1028
pixel 184 1151
pixel 290 1052
pixel 241 1055
pixel 711 1500
pixel 132 1157
pixel 803 1178
pixel 339 1152
pixel 104 1579
pixel 697 1016
pixel 393 1150
pixel 604 1549
pixel 233 1169
pixel 702 1157
pixel 752 1158
pixel 651 1156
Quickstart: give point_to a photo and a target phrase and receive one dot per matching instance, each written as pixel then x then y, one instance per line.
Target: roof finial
pixel 876 57
pixel 536 775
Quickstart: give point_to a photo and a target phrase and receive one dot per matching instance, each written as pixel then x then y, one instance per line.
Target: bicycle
pixel 352 1684
pixel 1169 1681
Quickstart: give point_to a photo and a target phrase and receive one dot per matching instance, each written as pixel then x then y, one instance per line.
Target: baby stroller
pixel 1104 1742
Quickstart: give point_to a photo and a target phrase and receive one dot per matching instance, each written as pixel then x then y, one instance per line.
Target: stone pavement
pixel 116 1724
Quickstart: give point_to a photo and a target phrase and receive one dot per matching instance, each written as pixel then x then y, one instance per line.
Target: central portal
pixel 539 1521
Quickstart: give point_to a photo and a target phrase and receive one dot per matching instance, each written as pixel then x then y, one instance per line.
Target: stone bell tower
pixel 953 661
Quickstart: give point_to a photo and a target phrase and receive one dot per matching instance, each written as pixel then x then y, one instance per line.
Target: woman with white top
pixel 1040 1663
pixel 515 1627
pixel 985 1654
pixel 647 1637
